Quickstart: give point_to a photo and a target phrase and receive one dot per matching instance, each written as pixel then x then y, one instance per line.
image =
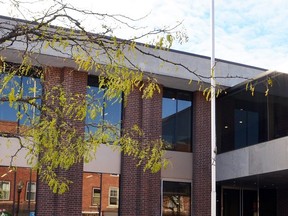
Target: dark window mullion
pixel 176 122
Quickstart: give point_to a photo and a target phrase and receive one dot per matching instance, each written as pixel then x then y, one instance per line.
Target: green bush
pixel 5 213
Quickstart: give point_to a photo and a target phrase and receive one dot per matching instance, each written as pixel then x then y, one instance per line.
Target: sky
pixel 252 32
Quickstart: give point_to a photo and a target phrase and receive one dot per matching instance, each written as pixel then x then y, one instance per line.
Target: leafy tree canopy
pixel 49 113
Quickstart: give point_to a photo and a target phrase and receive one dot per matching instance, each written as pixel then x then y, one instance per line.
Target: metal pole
pixel 14 192
pixel 29 189
pixel 18 201
pixel 100 209
pixel 19 190
pixel 213 116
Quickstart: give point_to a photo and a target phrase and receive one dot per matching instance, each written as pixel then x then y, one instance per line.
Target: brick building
pixel 251 138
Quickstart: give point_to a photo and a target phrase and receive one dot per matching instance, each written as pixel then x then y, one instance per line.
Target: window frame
pixel 31 191
pixel 93 82
pixel 177 94
pixel 117 197
pixel 7 192
pixel 93 196
pixel 175 181
pixel 24 84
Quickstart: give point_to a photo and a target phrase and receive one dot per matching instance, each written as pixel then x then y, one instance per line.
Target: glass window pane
pixel 177 120
pixel 4 190
pixel 184 127
pixel 96 196
pixel 8 113
pixel 168 107
pixel 231 202
pixel 31 88
pixel 26 86
pixel 101 110
pixel 113 200
pixel 168 121
pixel 278 106
pixel 184 104
pixel 113 196
pixel 176 198
pixel 31 191
pixel 242 119
pixel 112 114
pixel 94 107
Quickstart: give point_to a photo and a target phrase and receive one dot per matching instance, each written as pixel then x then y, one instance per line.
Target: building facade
pixel 252 165
pixel 251 140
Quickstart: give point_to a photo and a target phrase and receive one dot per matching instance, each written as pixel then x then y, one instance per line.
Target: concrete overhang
pixel 172 68
pixel 263 158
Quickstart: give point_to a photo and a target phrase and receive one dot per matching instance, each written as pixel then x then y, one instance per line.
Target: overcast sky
pixel 253 32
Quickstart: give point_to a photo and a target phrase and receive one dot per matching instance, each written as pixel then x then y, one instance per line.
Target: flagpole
pixel 213 116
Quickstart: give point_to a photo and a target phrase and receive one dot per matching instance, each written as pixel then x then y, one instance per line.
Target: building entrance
pixel 239 202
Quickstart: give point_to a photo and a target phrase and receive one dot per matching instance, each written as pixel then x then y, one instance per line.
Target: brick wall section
pixel 129 190
pixel 70 203
pixel 282 202
pixel 140 193
pixel 108 182
pixel 22 174
pixel 151 183
pixel 201 191
pixel 45 198
pixel 93 180
pixel 90 181
pixel 8 127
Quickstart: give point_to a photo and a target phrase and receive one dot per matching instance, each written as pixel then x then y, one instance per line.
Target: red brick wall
pixel 107 182
pixel 22 174
pixel 93 180
pixel 69 203
pixel 90 181
pixel 201 190
pixel 8 127
pixel 140 193
pixel 129 173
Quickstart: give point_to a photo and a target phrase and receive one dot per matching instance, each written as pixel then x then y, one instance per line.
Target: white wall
pixel 8 147
pixel 257 159
pixel 106 161
pixel 180 167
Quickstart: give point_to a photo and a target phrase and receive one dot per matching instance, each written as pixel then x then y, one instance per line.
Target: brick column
pixel 129 189
pixel 140 193
pixel 70 203
pixel 201 191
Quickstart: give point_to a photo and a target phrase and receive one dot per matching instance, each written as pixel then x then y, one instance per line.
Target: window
pixel 113 196
pixel 28 87
pixel 177 120
pixel 96 196
pixel 100 110
pixel 244 120
pixel 4 190
pixel 31 191
pixel 31 88
pixel 176 198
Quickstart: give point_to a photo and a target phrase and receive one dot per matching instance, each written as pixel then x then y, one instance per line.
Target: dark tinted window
pixel 177 120
pixel 100 110
pixel 244 120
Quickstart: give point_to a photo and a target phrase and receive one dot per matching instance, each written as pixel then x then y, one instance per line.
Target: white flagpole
pixel 213 116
